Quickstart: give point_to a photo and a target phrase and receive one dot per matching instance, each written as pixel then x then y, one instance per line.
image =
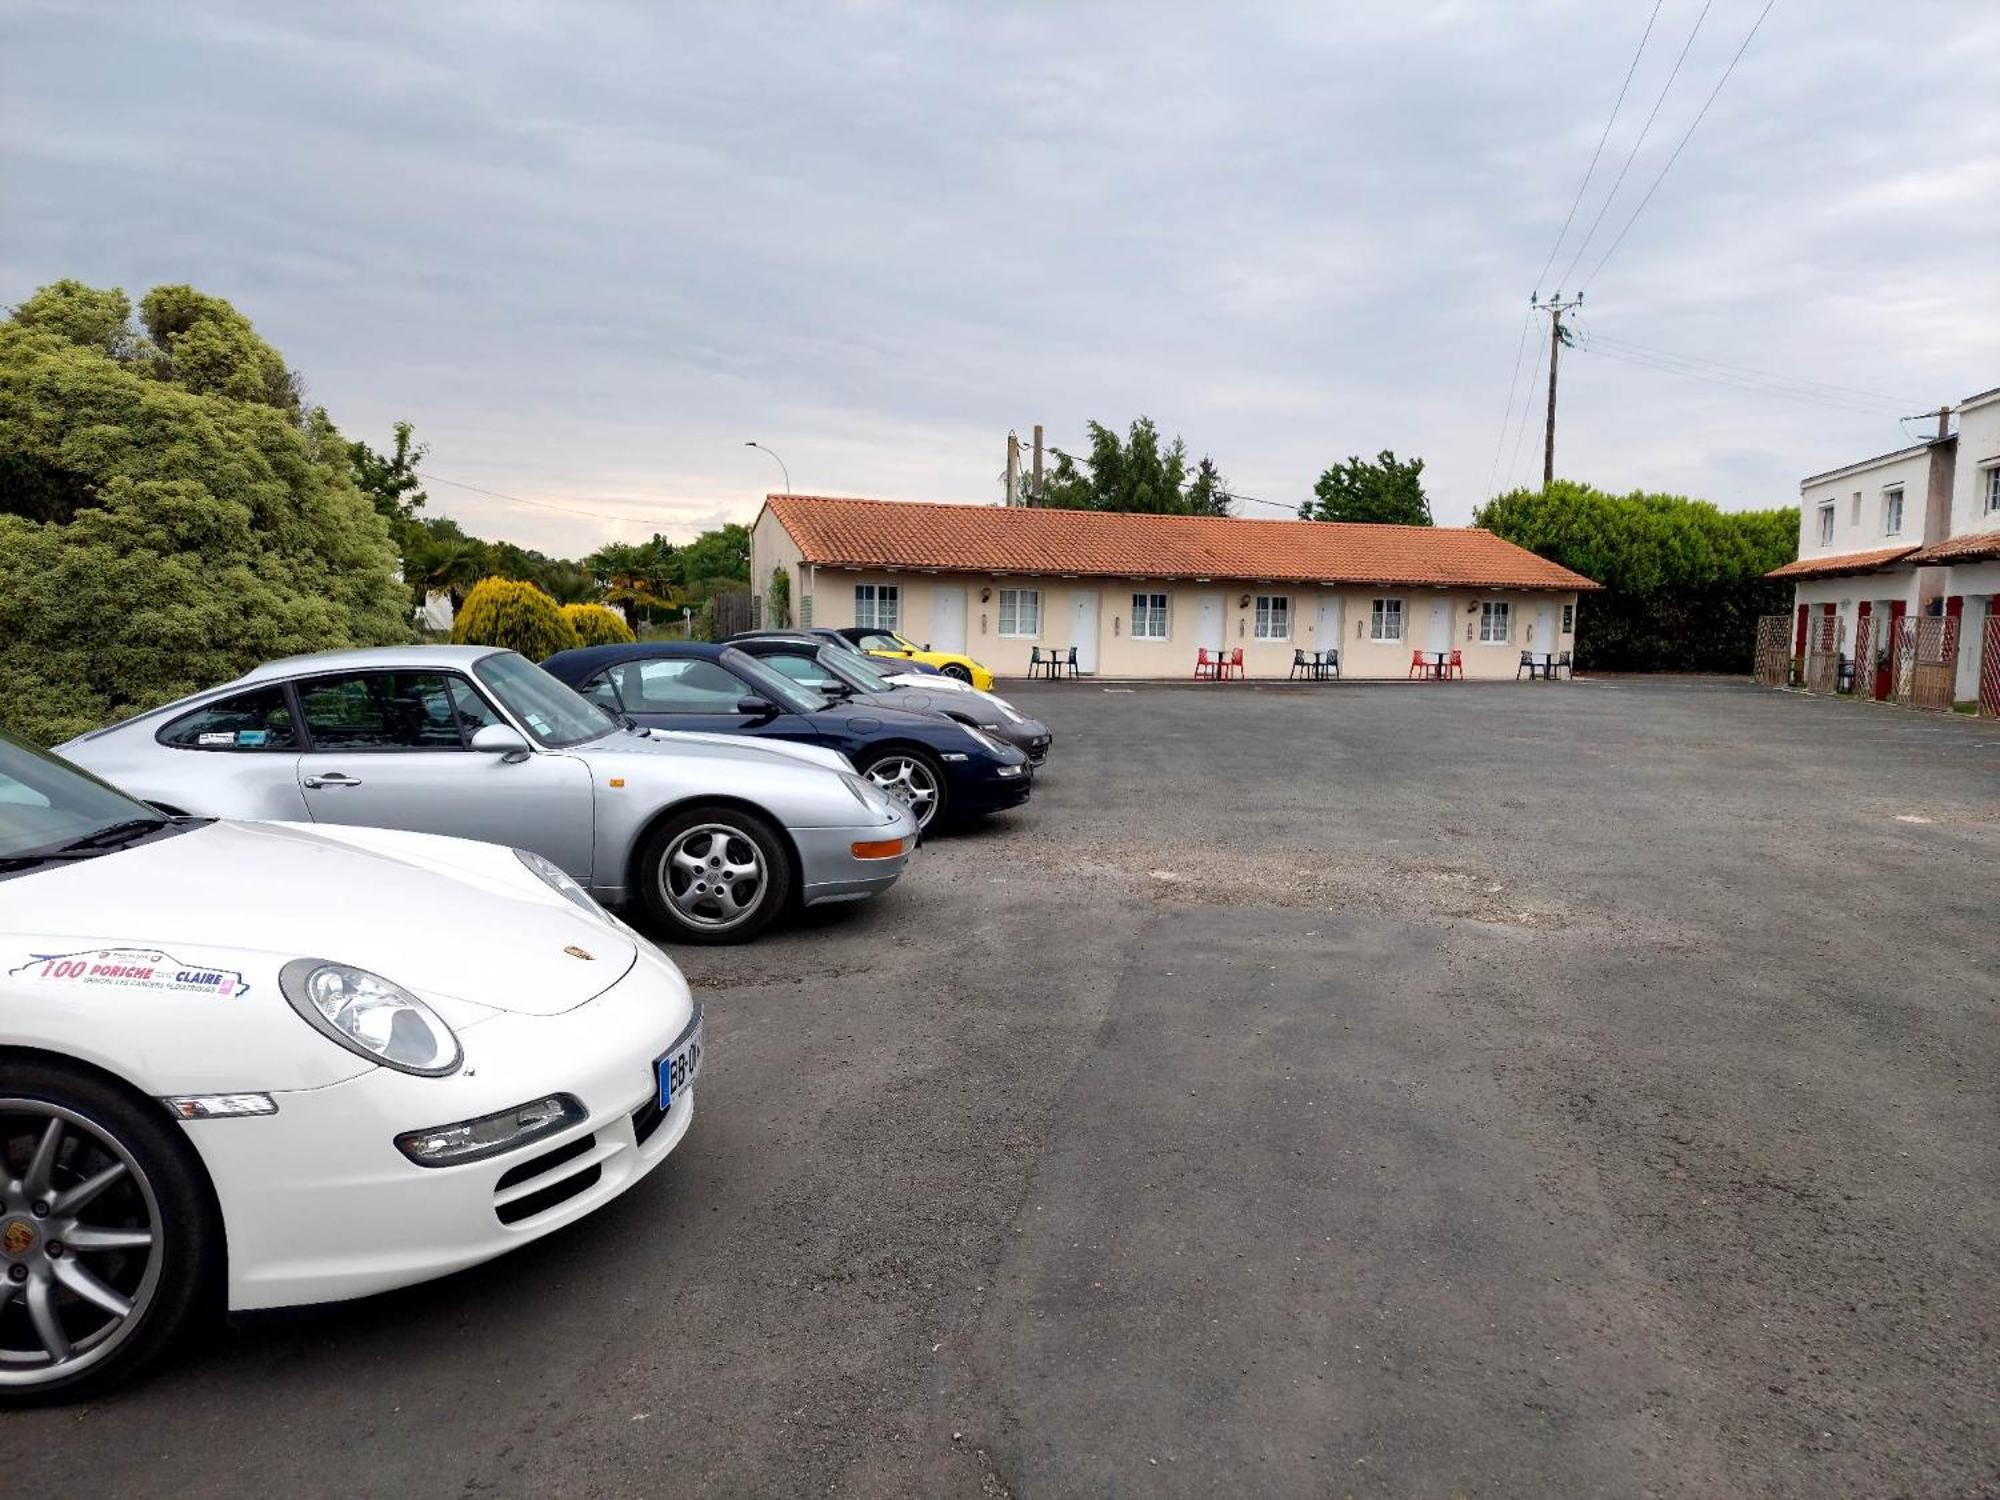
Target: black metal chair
pixel 1070 662
pixel 1035 662
pixel 1300 664
pixel 1329 664
pixel 1560 666
pixel 1528 665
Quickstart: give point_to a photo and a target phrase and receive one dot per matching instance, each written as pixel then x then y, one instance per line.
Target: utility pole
pixel 1013 468
pixel 1035 490
pixel 1555 307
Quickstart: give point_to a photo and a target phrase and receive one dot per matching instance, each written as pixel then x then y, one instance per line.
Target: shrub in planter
pixel 597 625
pixel 519 616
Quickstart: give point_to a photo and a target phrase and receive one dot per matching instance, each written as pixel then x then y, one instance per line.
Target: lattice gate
pixel 1989 666
pixel 1925 671
pixel 1865 631
pixel 1823 655
pixel 1772 666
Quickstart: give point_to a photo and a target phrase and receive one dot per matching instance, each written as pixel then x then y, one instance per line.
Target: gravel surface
pixel 1582 1089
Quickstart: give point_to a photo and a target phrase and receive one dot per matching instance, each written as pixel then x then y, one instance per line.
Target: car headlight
pixel 866 792
pixel 375 1018
pixel 557 879
pixel 984 740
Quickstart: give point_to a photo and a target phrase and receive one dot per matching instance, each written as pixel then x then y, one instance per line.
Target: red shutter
pixel 1799 635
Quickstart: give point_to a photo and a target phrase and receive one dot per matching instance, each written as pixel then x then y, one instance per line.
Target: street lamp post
pixel 778 461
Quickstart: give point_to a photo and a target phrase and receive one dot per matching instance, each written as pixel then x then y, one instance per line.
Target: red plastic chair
pixel 1456 668
pixel 1204 668
pixel 1418 666
pixel 1235 662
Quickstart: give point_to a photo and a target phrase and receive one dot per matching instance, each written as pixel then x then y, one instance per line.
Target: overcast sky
pixel 590 249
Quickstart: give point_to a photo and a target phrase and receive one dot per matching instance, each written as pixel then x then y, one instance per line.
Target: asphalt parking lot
pixel 1578 1089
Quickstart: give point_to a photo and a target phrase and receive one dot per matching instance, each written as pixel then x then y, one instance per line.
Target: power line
pixel 1644 131
pixel 1583 186
pixel 1186 488
pixel 1514 463
pixel 568 510
pixel 1753 387
pixel 1899 402
pixel 1507 416
pixel 1754 25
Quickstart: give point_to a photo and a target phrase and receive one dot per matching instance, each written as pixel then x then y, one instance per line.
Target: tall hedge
pixel 598 625
pixel 519 616
pixel 1683 581
pixel 169 515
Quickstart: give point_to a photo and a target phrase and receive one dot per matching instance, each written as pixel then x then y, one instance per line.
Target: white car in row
pixel 248 1065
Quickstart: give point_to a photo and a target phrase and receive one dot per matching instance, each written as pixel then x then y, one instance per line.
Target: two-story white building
pixel 1910 533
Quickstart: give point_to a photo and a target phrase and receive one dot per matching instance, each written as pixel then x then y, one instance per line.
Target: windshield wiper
pixel 113 835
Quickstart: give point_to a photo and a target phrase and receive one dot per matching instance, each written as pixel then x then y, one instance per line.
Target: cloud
pixel 590 249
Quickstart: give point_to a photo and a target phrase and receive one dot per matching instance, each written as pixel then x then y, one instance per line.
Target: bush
pixel 169 517
pixel 518 616
pixel 1683 581
pixel 778 600
pixel 597 625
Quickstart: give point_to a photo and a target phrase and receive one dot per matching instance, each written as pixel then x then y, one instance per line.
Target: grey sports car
pixel 714 835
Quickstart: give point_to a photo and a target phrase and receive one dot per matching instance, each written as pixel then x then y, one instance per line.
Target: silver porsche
pixel 712 835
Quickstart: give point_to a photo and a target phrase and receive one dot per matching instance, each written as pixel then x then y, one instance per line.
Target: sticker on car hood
pixel 133 969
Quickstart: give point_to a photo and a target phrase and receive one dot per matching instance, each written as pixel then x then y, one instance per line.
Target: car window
pixel 876 640
pixel 45 802
pixel 803 668
pixel 553 712
pixel 260 719
pixel 474 712
pixel 685 685
pixel 859 670
pixel 384 711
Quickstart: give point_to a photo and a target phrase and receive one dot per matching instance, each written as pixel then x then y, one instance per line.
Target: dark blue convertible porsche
pixel 943 769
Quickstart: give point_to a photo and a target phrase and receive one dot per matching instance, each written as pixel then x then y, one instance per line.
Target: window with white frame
pixel 1493 622
pixel 1569 619
pixel 1992 490
pixel 1274 617
pixel 1021 612
pixel 1854 517
pixel 1892 512
pixel 878 606
pixel 1826 524
pixel 1386 620
pixel 1149 617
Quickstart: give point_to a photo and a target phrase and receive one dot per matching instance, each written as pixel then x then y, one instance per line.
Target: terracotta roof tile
pixel 1841 563
pixel 1974 547
pixel 999 539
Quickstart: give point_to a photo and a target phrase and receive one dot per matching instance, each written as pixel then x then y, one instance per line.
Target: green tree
pixel 595 625
pixel 1209 494
pixel 778 599
pixel 165 526
pixel 206 346
pixel 507 612
pixel 390 480
pixel 1683 581
pixel 1136 474
pixel 715 559
pixel 1389 489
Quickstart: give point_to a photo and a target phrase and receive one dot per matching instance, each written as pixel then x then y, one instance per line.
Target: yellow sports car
pixel 952 664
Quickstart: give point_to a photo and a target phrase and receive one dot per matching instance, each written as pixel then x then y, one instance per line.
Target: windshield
pixel 774 685
pixel 856 668
pixel 552 712
pixel 47 804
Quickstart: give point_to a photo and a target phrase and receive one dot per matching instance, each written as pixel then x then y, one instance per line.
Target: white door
pixel 1440 625
pixel 1083 628
pixel 948 619
pixel 1208 621
pixel 1326 629
pixel 1544 628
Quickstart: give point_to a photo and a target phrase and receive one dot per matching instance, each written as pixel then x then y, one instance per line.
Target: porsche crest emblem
pixel 18 1238
pixel 575 952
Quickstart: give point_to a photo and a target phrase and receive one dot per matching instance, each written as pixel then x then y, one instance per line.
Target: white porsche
pixel 247 1065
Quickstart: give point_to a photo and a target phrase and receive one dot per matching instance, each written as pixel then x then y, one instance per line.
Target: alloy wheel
pixel 80 1243
pixel 714 876
pixel 911 782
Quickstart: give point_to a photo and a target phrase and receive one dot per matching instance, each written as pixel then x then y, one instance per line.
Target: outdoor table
pixel 1440 664
pixel 1057 660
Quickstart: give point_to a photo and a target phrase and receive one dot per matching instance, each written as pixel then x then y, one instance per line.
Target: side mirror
pixel 501 740
pixel 833 687
pixel 927 645
pixel 757 708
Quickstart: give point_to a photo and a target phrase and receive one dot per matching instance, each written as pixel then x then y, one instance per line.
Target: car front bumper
pixel 983 791
pixel 319 1205
pixel 1031 737
pixel 829 870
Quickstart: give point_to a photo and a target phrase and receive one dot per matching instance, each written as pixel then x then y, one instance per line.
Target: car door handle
pixel 331 778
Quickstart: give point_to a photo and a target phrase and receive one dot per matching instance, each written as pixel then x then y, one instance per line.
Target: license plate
pixel 680 1067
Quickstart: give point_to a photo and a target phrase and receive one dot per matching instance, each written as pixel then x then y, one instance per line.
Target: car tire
pixel 914 777
pixel 714 874
pixel 170 1285
pixel 955 671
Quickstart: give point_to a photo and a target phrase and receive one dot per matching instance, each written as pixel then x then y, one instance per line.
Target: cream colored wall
pixel 771 546
pixel 1119 655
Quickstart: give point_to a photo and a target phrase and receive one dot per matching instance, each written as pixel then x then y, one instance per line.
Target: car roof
pixel 370 658
pixel 583 658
